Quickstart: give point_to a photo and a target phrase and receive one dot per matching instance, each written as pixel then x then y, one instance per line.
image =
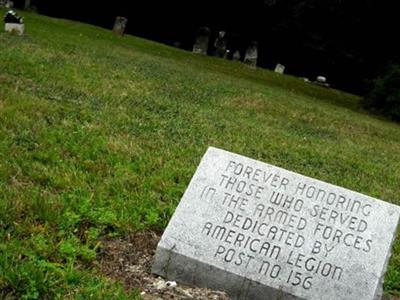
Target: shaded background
pixel 348 41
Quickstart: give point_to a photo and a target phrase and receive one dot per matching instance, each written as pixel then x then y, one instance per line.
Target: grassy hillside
pixel 100 135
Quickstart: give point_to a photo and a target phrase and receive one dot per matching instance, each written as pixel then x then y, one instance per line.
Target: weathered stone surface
pixel 261 232
pixel 251 56
pixel 280 69
pixel 18 29
pixel 120 25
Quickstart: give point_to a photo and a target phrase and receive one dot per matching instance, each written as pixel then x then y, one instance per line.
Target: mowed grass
pixel 100 135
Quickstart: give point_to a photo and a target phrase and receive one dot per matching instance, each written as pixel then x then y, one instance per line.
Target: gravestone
pixel 236 55
pixel 120 25
pixel 27 4
pixel 261 232
pixel 13 23
pixel 280 69
pixel 8 4
pixel 202 40
pixel 251 55
pixel 321 80
pixel 220 44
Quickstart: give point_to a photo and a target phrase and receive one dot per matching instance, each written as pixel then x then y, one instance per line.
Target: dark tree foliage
pixel 348 41
pixel 385 94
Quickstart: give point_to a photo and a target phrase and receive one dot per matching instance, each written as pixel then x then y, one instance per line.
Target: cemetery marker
pixel 120 25
pixel 280 69
pixel 236 55
pixel 261 232
pixel 202 40
pixel 220 44
pixel 251 56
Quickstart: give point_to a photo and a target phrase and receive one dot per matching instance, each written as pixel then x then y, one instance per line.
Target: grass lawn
pixel 100 135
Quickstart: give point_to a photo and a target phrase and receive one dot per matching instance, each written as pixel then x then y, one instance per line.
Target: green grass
pixel 100 135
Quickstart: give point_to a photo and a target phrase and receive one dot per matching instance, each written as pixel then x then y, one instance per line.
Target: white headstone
pixel 280 69
pixel 261 232
pixel 18 29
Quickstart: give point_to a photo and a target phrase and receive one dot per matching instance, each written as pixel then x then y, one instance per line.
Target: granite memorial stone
pixel 261 232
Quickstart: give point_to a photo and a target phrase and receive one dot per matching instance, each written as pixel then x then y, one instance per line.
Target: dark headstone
pixel 220 44
pixel 236 55
pixel 251 55
pixel 202 40
pixel 27 4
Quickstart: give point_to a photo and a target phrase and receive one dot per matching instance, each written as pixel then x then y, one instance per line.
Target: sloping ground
pixel 100 135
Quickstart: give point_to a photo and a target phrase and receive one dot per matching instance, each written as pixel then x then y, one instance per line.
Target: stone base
pixel 18 29
pixel 178 267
